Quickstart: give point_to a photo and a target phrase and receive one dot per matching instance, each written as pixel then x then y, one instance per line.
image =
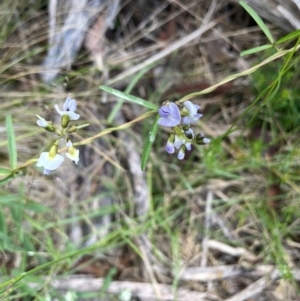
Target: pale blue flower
pixel 193 115
pixel 69 108
pixel 170 144
pixel 169 115
pixel 182 143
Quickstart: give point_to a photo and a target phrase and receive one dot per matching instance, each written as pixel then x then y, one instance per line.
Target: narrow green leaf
pixel 256 49
pixel 36 208
pixel 149 142
pixel 12 149
pixel 292 35
pixel 9 198
pixel 108 279
pixel 129 97
pixel 258 20
pixel 133 82
pixel 16 211
pixel 4 171
pixel 3 228
pixel 5 180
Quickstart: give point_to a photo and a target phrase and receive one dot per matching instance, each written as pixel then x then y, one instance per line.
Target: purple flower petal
pixel 47 171
pixel 180 154
pixel 164 111
pixel 170 148
pixel 169 115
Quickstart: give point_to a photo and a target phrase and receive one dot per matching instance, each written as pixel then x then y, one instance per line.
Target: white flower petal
pixel 49 163
pixel 66 103
pixel 42 123
pixel 74 157
pixel 191 108
pixel 70 104
pixel 69 143
pixel 178 141
pixel 72 115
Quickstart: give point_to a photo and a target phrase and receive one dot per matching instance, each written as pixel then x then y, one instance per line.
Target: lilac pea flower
pixel 169 115
pixel 170 144
pixel 69 108
pixel 193 113
pixel 181 153
pixel 179 141
pixel 70 104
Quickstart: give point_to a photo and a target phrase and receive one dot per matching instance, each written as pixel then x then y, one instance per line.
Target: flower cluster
pixel 52 160
pixel 182 136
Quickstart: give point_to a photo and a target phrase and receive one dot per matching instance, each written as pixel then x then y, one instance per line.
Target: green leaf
pixel 6 179
pixel 12 149
pixel 16 211
pixel 292 35
pixel 149 142
pixel 129 97
pixel 256 49
pixel 4 171
pixel 258 20
pixel 37 208
pixel 9 198
pixel 133 82
pixel 3 228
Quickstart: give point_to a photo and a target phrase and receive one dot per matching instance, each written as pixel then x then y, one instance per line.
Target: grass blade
pixel 258 20
pixel 149 143
pixel 4 171
pixel 130 98
pixel 12 149
pixel 256 49
pixel 292 35
pixel 134 81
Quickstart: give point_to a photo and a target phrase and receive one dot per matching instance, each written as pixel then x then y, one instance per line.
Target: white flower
pixel 73 153
pixel 193 113
pixel 49 162
pixel 45 124
pixel 42 122
pixel 70 104
pixel 182 143
pixel 179 141
pixel 69 109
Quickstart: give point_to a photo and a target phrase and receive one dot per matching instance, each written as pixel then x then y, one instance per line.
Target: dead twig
pixel 144 291
pixel 256 287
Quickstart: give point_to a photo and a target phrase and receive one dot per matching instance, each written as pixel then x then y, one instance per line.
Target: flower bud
pixel 65 121
pixel 181 152
pixel 201 140
pixel 186 127
pixel 189 134
pixel 170 144
pixel 53 151
pixel 50 128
